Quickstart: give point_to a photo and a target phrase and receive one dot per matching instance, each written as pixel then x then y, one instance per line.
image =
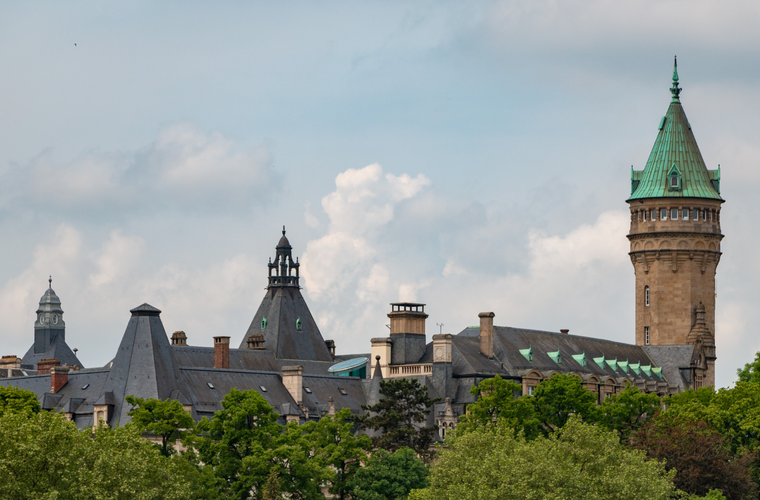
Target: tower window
pixel 673 214
pixel 263 323
pixel 299 327
pixel 695 214
pixel 704 215
pixel 674 181
pixel 685 214
pixel 654 215
pixel 663 214
pixel 645 215
pixel 646 295
pixel 646 335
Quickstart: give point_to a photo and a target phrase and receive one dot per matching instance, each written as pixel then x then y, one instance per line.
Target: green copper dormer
pixel 675 167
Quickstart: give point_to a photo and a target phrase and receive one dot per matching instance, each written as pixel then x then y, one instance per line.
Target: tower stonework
pixel 675 240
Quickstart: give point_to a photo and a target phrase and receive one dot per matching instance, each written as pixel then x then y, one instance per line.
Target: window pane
pixel 685 214
pixel 663 214
pixel 645 215
pixel 695 214
pixel 674 213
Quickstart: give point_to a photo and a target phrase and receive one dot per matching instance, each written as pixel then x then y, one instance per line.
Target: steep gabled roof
pixel 675 146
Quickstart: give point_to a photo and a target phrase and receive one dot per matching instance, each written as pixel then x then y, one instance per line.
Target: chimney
pixel 564 331
pixel 221 352
pixel 255 341
pixel 179 338
pixel 10 363
pixel 331 406
pixel 59 375
pixel 45 365
pixel 486 333
pixel 407 332
pixel 331 347
pixel 292 379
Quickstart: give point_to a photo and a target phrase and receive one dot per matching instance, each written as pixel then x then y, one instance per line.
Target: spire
pixel 281 270
pixel 675 90
pixel 675 167
pixel 50 282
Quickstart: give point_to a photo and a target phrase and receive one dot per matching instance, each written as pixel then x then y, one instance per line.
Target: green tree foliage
pixel 44 456
pixel 400 416
pixel 15 400
pixel 733 412
pixel 272 490
pixel 751 371
pixel 559 397
pixel 387 476
pixel 336 445
pixel 575 461
pixel 498 400
pixel 165 419
pixel 628 411
pixel 699 454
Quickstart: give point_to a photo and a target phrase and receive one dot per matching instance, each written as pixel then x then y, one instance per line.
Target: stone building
pixel 675 240
pixel 675 248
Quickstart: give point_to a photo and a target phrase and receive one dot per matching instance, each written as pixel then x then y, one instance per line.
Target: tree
pixel 272 489
pixel 751 371
pixel 15 400
pixel 400 416
pixel 699 453
pixel 387 476
pixel 43 455
pixel 235 447
pixel 165 419
pixel 575 461
pixel 498 401
pixel 559 397
pixel 334 441
pixel 628 411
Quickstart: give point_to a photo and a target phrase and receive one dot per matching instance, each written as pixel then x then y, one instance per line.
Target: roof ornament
pixel 50 282
pixel 675 90
pixel 283 230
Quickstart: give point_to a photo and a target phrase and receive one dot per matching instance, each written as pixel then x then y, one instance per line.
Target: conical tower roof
pixel 675 154
pixel 144 365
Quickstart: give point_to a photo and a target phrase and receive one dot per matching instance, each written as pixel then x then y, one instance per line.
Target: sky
pixel 473 156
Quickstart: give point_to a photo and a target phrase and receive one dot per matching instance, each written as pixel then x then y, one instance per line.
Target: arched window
pixel 646 295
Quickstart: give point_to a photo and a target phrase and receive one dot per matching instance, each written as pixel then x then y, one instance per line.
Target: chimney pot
pixel 221 352
pixel 255 341
pixel 179 338
pixel 564 331
pixel 486 333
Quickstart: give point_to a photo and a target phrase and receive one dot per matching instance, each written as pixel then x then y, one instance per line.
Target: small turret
pixel 283 265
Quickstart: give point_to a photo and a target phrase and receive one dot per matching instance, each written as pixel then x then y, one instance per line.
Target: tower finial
pixel 675 90
pixel 50 282
pixel 283 230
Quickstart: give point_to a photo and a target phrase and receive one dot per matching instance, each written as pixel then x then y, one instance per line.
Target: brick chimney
pixel 221 352
pixel 486 333
pixel 179 338
pixel 59 375
pixel 45 365
pixel 292 379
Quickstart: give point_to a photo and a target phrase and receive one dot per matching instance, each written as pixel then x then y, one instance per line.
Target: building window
pixel 673 214
pixel 654 214
pixel 704 215
pixel 646 335
pixel 695 214
pixel 645 215
pixel 674 181
pixel 531 388
pixel 646 295
pixel 663 214
pixel 685 214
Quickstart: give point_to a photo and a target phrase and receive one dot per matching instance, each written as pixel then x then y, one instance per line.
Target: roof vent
pixel 210 385
pixel 263 389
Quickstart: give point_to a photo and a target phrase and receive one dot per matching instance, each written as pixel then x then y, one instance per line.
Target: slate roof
pixel 283 307
pixel 509 361
pixel 58 349
pixel 240 359
pixel 675 146
pixel 673 358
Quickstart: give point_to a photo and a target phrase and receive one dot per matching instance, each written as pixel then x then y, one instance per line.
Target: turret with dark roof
pixel 49 333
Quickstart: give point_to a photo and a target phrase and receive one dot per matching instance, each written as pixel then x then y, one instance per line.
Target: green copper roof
pixel 675 154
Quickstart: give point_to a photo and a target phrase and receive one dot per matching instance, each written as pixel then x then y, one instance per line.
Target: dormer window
pixel 674 179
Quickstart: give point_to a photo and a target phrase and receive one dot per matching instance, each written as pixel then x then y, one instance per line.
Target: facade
pixel 675 240
pixel 675 249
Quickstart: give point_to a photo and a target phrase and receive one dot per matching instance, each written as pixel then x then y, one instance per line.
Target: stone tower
pixel 675 241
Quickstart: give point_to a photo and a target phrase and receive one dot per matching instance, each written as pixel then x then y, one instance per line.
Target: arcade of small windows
pixel 646 295
pixel 646 335
pixel 676 213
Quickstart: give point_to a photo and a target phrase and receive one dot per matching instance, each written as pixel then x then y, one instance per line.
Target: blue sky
pixel 473 156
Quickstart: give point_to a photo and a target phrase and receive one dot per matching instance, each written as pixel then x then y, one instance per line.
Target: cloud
pixel 183 168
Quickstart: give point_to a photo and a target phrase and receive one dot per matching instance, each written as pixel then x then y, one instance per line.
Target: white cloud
pixel 183 168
